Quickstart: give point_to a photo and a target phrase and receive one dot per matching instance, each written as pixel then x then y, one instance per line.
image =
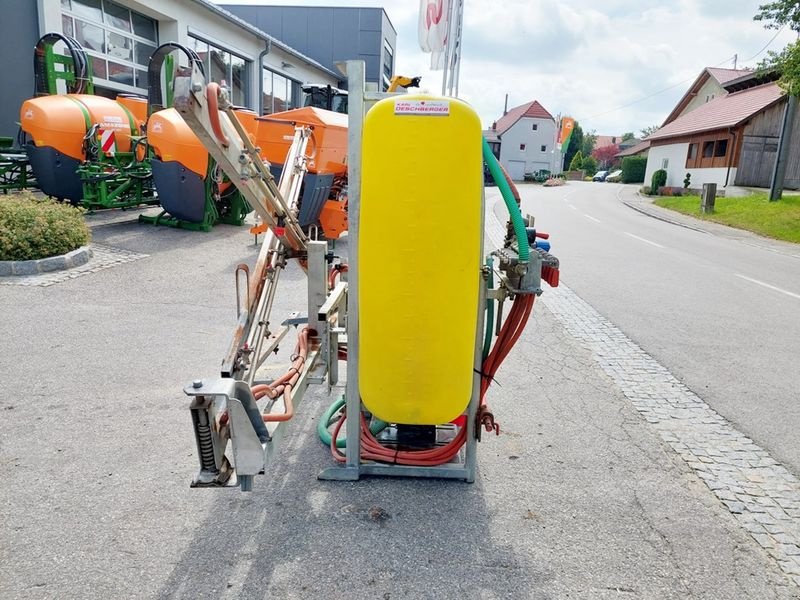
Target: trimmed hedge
pixel 33 228
pixel 658 181
pixel 633 169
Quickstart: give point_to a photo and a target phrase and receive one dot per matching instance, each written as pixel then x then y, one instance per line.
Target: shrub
pixel 555 182
pixel 659 180
pixel 32 228
pixel 645 190
pixel 633 169
pixel 687 181
pixel 577 162
pixel 589 165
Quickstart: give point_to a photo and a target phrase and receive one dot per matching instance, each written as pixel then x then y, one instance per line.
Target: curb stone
pixel 76 258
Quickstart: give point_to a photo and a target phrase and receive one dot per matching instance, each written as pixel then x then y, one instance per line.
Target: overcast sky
pixel 582 58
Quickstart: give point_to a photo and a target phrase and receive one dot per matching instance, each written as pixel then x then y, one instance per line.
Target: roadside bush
pixel 645 190
pixel 589 165
pixel 633 169
pixel 32 228
pixel 577 162
pixel 659 180
pixel 687 181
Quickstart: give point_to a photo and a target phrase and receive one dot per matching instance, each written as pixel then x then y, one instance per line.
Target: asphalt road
pixel 578 498
pixel 718 308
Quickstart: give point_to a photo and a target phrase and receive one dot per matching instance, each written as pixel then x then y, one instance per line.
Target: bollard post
pixel 708 198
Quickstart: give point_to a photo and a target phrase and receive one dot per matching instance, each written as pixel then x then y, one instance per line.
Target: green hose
pixel 322 427
pixel 487 340
pixel 511 204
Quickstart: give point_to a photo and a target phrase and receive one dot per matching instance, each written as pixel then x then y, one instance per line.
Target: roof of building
pixel 601 141
pixel 727 111
pixel 531 109
pixel 491 136
pixel 722 76
pixel 634 150
pixel 230 17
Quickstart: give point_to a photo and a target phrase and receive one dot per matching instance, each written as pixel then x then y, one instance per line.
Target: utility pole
pixel 784 144
pixel 735 61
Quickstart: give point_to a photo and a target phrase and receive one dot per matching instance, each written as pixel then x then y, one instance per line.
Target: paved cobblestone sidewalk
pixel 762 494
pixel 103 257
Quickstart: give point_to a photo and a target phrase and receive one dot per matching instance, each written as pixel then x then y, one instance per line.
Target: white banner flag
pixel 434 16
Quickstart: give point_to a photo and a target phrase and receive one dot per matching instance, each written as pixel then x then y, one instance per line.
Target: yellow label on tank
pixel 419 253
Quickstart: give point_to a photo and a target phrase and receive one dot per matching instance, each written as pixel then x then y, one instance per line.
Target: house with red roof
pixel 524 140
pixel 728 139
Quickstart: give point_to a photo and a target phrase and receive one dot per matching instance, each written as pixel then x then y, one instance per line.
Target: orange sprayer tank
pixel 57 126
pixel 180 165
pixel 328 145
pixel 61 122
pixel 137 106
pixel 173 140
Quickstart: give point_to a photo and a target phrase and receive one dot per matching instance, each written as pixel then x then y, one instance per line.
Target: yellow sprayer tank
pixel 419 282
pixel 57 126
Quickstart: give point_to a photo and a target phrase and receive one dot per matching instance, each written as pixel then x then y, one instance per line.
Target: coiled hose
pixel 511 205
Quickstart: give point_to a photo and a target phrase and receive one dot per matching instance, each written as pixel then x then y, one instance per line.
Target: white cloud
pixel 582 57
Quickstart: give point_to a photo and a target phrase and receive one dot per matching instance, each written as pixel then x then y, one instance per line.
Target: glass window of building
pixel 118 40
pixel 222 65
pixel 280 92
pixel 388 61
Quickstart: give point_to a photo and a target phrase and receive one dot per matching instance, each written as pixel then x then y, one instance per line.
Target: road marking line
pixel 766 285
pixel 592 218
pixel 641 239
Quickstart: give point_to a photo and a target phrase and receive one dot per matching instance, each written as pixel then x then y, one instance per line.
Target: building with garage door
pixel 729 139
pixel 263 72
pixel 524 141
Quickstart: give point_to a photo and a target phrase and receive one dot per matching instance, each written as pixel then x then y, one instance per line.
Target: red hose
pixel 372 449
pixel 212 98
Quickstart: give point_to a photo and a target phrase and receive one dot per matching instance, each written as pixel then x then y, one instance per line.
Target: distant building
pixel 730 140
pixel 524 141
pixel 331 34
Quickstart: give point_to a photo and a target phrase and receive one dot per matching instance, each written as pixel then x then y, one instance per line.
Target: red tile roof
pixel 601 141
pixel 720 113
pixel 634 150
pixel 723 76
pixel 531 109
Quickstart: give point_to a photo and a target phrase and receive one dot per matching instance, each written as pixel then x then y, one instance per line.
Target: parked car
pixel 600 176
pixel 614 176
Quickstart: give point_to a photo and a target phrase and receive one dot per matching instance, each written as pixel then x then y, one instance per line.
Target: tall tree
pixel 628 136
pixel 776 15
pixel 589 140
pixel 575 144
pixel 649 130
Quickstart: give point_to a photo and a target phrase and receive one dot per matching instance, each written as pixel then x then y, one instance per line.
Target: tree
pixel 606 155
pixel 649 130
pixel 628 136
pixel 589 165
pixel 575 144
pixel 589 140
pixel 577 161
pixel 777 15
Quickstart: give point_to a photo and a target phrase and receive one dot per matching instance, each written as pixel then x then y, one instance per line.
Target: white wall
pixel 522 133
pixel 676 154
pixel 177 19
pixel 710 88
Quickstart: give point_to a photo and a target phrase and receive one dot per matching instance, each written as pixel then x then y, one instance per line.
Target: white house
pixel 524 140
